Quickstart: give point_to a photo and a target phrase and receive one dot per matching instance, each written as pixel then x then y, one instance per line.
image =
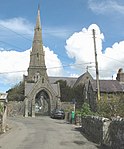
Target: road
pixel 43 133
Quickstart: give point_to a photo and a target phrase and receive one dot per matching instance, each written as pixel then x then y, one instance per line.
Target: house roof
pixel 3 97
pixel 108 86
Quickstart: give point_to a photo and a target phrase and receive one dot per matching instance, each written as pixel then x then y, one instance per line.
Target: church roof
pixel 55 87
pixel 70 81
pixel 83 79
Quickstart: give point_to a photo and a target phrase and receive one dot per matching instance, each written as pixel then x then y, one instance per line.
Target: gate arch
pixel 42 103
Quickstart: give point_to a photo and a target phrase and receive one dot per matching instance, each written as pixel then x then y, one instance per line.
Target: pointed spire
pixel 38 32
pixel 37 56
pixel 38 23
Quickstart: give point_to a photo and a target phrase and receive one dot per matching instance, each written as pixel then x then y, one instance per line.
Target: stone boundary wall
pixel 15 108
pixel 116 132
pixel 0 123
pixel 104 131
pixel 94 127
pixel 67 106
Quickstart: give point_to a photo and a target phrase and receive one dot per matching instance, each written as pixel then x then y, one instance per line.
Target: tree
pixel 78 93
pixel 65 90
pixel 16 93
pixel 68 93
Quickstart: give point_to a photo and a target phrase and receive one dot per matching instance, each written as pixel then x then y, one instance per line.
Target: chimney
pixel 120 75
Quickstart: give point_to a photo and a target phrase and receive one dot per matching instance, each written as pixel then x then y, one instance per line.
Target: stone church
pixel 40 95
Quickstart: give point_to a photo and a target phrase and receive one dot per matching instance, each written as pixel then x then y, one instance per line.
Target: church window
pixel 37 55
pixel 42 80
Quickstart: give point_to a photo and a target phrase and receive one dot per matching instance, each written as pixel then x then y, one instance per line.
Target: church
pixel 42 93
pixel 41 96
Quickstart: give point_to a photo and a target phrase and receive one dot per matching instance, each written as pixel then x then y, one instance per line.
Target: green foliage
pixel 68 93
pixel 111 108
pixel 78 111
pixel 86 110
pixel 16 93
pixel 78 93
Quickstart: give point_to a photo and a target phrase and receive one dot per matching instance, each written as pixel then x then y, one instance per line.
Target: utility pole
pixel 96 63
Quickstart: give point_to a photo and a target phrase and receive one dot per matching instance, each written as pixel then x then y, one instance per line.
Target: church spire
pixel 38 23
pixel 37 55
pixel 38 32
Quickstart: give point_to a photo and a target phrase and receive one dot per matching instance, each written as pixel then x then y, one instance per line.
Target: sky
pixel 67 37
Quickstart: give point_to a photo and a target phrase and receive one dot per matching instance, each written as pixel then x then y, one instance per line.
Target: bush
pixel 16 93
pixel 111 108
pixel 86 110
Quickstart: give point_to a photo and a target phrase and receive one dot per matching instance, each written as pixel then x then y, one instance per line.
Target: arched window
pixel 37 55
pixel 42 80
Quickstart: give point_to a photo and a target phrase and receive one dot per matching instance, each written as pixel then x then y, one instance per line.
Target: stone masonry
pixel 106 132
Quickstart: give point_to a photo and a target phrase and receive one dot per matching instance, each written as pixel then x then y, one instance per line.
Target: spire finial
pixel 39 6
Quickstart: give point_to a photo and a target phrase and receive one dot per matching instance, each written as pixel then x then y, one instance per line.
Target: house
pixel 3 100
pixel 109 89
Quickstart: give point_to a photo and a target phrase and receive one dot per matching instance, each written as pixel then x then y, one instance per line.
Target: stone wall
pixel 94 127
pixel 67 106
pixel 0 123
pixel 104 131
pixel 15 108
pixel 116 132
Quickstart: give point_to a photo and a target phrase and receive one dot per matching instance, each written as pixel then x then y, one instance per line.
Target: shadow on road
pixel 99 146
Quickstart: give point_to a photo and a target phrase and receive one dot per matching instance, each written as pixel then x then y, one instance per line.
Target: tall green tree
pixel 68 93
pixel 65 90
pixel 78 93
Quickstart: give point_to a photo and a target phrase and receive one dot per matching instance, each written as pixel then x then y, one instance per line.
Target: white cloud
pixel 106 6
pixel 53 63
pixel 16 64
pixel 19 25
pixel 60 32
pixel 80 47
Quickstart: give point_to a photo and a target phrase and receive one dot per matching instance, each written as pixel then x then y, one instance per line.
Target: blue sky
pixel 67 37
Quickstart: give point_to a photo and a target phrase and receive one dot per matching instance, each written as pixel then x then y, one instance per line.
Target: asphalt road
pixel 43 133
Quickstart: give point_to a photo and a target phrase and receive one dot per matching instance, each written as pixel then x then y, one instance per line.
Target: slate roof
pixel 84 79
pixel 70 81
pixel 108 86
pixel 55 87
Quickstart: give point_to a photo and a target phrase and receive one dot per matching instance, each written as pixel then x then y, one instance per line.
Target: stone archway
pixel 42 103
